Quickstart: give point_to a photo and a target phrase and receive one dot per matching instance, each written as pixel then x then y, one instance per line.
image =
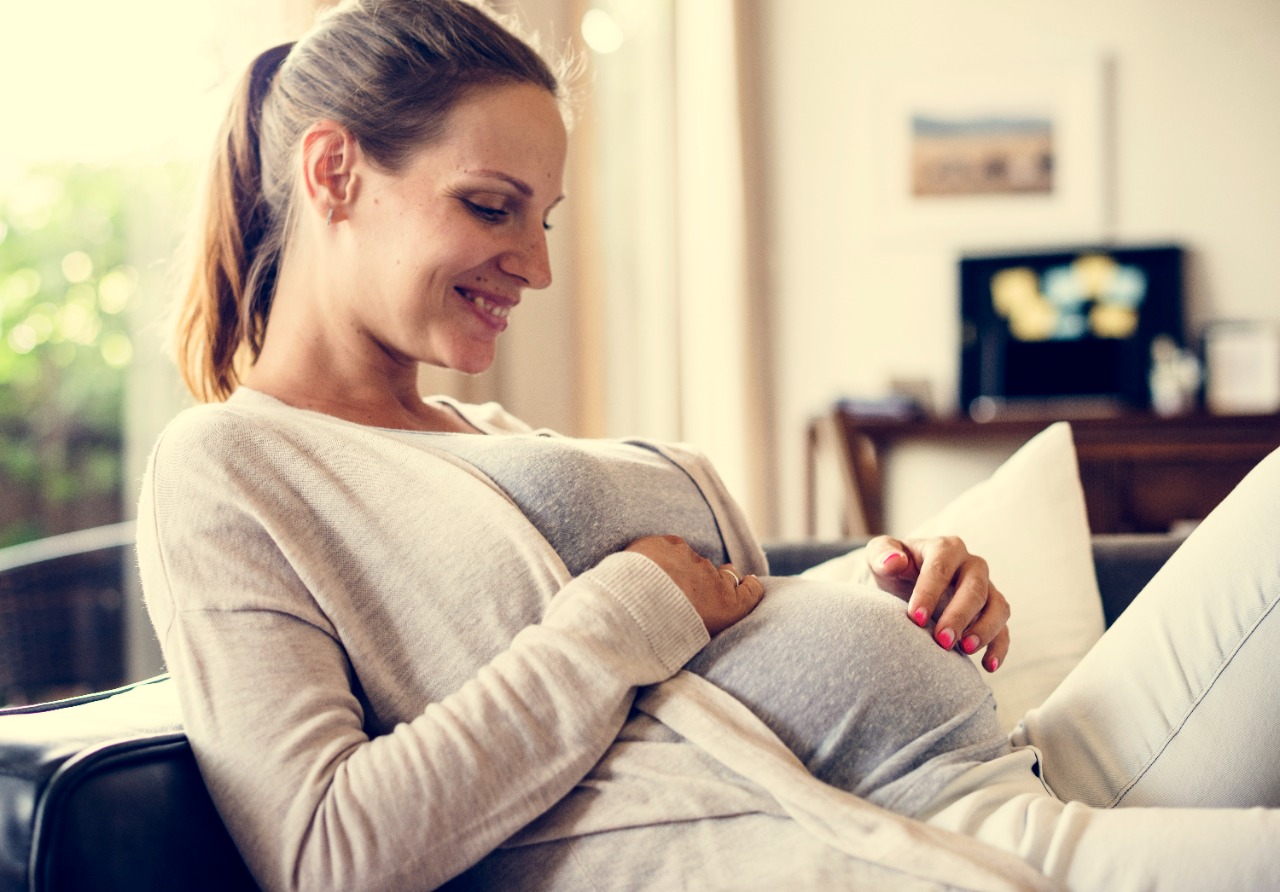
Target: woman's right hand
pixel 715 592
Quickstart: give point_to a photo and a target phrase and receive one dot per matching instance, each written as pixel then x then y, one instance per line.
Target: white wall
pixel 1194 147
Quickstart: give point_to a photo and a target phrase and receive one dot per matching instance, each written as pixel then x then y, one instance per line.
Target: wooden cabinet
pixel 1140 472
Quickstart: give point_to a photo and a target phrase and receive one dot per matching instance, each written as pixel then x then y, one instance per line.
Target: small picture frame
pixel 1242 367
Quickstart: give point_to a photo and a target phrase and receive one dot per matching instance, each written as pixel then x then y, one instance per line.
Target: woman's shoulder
pixel 246 425
pixel 206 423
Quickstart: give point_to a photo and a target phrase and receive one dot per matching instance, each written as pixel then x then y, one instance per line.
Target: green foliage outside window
pixel 67 285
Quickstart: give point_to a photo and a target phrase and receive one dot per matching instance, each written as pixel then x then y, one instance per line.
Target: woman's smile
pixel 492 309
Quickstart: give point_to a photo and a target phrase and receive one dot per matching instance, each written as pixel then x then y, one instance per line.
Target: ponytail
pixel 237 252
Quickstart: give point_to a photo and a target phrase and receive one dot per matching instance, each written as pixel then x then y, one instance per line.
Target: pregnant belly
pixel 860 694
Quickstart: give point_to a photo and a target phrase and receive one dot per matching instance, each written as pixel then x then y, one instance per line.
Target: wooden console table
pixel 1140 472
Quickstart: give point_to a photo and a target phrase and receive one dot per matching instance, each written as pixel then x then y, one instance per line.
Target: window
pixel 104 141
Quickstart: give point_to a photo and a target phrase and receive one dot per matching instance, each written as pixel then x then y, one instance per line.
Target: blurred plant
pixel 66 287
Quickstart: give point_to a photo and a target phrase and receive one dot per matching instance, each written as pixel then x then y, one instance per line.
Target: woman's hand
pixel 938 578
pixel 719 594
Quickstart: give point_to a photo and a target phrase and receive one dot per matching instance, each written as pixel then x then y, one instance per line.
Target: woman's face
pixel 445 247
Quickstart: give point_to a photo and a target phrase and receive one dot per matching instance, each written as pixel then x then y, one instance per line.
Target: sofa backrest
pixel 62 613
pixel 1124 563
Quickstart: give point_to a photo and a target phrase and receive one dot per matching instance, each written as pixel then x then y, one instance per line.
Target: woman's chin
pixel 471 363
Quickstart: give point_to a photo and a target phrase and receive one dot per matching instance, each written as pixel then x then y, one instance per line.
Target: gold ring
pixel 737 580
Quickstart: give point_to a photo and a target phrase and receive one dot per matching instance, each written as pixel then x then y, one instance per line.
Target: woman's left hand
pixel 939 578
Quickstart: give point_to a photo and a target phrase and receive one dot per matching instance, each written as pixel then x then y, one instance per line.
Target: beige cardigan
pixel 386 673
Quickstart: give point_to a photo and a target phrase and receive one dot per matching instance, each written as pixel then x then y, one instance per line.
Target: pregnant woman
pixel 417 642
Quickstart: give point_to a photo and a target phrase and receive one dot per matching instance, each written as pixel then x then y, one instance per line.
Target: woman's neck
pixel 307 376
pixel 306 364
pixel 411 413
pixel 380 398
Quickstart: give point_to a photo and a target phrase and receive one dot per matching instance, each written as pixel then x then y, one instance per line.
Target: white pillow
pixel 1028 520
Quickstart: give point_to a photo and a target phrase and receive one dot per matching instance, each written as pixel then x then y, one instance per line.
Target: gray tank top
pixel 591 498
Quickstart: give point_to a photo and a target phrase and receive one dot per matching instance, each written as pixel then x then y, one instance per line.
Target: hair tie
pixel 262 72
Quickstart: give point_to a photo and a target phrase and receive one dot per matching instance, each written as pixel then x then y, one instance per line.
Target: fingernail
pixel 970 644
pixel 992 664
pixel 946 638
pixel 888 557
pixel 919 616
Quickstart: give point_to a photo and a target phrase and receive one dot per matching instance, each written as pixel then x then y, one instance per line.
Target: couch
pixel 101 791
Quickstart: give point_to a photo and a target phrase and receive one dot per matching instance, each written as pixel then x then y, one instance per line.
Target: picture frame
pixel 1044 121
pixel 1072 328
pixel 1242 359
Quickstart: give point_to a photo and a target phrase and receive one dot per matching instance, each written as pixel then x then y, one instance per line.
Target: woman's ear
pixel 328 159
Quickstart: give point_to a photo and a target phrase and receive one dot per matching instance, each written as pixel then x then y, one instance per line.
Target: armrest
pixel 1125 563
pixel 102 792
pixel 790 558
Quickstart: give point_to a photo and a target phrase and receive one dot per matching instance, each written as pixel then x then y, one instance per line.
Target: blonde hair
pixel 390 71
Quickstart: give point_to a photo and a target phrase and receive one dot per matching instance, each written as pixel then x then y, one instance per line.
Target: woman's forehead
pixel 515 131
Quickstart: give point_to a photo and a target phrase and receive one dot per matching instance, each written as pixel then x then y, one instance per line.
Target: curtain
pixel 677 232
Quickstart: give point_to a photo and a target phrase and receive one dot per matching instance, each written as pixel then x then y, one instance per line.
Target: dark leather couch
pixel 100 792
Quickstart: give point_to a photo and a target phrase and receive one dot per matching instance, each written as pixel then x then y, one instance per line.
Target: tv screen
pixel 1068 326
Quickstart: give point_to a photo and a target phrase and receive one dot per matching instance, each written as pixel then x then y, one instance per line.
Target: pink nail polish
pixel 946 638
pixel 920 617
pixel 888 557
pixel 992 664
pixel 970 644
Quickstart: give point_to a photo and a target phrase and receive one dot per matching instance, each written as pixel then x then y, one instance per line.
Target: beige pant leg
pixel 1091 849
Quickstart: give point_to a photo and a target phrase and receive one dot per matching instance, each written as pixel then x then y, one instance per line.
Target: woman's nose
pixel 532 263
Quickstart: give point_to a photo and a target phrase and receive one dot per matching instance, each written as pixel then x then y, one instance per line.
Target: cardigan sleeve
pixel 271 703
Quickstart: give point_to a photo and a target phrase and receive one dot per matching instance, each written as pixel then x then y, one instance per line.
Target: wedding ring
pixel 737 580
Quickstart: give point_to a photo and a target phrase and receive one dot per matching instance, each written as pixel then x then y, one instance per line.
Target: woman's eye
pixel 487 213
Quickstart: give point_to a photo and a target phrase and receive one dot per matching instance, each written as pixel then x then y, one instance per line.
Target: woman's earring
pixel 328 221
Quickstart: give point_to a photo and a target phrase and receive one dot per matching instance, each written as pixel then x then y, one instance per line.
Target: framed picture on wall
pixel 994 153
pixel 1071 326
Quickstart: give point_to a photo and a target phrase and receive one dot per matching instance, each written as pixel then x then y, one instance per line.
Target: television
pixel 1066 330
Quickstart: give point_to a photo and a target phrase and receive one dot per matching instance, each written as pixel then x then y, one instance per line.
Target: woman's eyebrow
pixel 518 184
